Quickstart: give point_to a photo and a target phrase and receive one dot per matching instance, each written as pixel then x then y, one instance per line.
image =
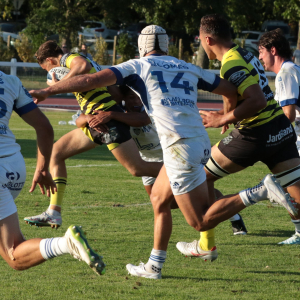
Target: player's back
pixel 95 99
pixel 243 69
pixel 13 97
pixel 168 88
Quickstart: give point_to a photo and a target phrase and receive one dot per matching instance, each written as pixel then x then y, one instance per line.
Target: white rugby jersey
pixel 168 89
pixel 13 96
pixel 287 85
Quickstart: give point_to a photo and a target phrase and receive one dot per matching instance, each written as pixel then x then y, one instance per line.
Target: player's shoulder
pixel 68 57
pixel 9 80
pixel 234 60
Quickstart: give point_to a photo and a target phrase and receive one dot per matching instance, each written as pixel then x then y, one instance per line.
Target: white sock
pixel 235 218
pixel 253 195
pixel 156 261
pixel 53 247
pixel 297 225
pixel 52 212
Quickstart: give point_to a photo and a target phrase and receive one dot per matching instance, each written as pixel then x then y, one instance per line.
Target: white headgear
pixel 153 37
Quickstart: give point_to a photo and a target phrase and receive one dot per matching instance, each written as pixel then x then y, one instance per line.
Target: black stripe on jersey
pixel 249 124
pixel 233 70
pixel 96 105
pixel 253 72
pixel 247 56
pixel 97 94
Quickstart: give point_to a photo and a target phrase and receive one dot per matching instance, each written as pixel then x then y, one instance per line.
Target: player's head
pixel 153 37
pixel 83 47
pixel 131 99
pixel 214 29
pixel 48 55
pixel 273 43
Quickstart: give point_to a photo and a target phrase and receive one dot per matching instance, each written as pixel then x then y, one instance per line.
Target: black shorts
pixel 117 134
pixel 271 143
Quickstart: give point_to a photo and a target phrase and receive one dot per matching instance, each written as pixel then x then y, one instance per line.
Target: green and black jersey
pixel 243 69
pixel 96 99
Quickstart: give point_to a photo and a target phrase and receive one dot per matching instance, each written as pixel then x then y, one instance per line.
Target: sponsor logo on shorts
pixel 227 140
pixel 175 185
pixel 281 134
pixel 13 186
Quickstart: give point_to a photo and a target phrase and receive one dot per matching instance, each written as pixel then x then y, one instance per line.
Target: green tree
pixel 290 10
pixel 63 17
pixel 125 48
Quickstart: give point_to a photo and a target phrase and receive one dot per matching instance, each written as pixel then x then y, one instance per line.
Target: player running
pixel 117 138
pixel 19 253
pixel 275 52
pixel 262 131
pixel 168 89
pixel 147 141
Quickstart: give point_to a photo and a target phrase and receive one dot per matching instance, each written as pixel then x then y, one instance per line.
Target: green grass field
pixel 114 210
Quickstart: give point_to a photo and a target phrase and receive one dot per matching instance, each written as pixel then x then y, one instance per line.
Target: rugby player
pixel 147 141
pixel 262 131
pixel 19 253
pixel 275 52
pixel 117 138
pixel 168 89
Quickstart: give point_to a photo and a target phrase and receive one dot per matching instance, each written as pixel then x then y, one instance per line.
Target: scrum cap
pixel 153 37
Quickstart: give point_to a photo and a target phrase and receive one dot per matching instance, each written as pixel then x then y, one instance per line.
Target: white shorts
pixel 12 179
pixel 150 180
pixel 185 161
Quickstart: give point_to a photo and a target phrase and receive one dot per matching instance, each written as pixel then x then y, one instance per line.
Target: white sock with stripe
pixel 54 247
pixel 156 261
pixel 297 225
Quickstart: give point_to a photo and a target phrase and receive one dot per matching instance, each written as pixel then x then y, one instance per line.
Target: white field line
pixel 87 166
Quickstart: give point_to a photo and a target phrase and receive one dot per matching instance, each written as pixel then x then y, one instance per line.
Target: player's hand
pixel 224 128
pixel 44 180
pixel 39 95
pixel 211 119
pixel 53 81
pixel 101 128
pixel 99 117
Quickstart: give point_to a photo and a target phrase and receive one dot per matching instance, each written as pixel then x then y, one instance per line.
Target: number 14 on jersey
pixel 185 85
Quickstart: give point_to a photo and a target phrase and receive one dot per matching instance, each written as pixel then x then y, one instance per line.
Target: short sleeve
pixel 126 69
pixel 24 103
pixel 238 75
pixel 208 81
pixel 287 89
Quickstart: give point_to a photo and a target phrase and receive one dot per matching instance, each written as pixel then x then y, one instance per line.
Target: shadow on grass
pixel 100 153
pixel 277 233
pixel 277 272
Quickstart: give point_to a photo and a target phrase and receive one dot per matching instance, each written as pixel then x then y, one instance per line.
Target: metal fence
pixel 33 76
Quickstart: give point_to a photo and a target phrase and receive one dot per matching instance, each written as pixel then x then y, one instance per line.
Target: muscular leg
pixel 161 198
pixel 128 156
pixel 14 249
pixel 72 143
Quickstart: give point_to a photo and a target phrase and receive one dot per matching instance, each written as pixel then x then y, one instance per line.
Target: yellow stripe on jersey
pixel 95 99
pixel 243 69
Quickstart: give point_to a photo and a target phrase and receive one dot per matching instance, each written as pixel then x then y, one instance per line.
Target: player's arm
pixel 45 135
pixel 78 66
pixel 290 112
pixel 254 101
pixel 134 119
pixel 80 83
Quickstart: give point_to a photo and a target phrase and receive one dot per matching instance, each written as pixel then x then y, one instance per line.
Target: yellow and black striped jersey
pixel 243 69
pixel 96 99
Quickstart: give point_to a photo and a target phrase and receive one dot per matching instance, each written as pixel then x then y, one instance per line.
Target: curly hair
pixel 276 39
pixel 217 26
pixel 48 49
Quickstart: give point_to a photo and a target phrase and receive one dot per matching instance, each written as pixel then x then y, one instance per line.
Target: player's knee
pixel 197 224
pixel 135 171
pixel 159 203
